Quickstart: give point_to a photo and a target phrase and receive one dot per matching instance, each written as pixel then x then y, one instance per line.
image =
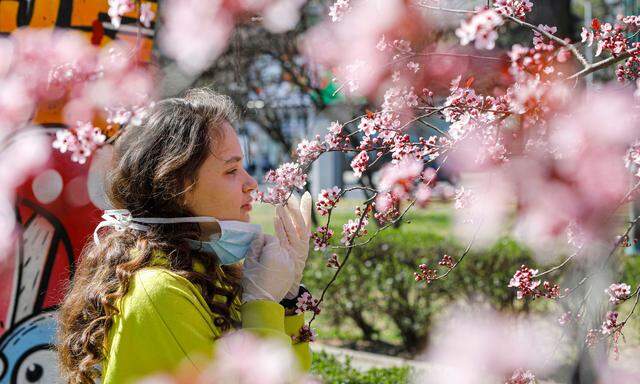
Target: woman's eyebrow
pixel 233 159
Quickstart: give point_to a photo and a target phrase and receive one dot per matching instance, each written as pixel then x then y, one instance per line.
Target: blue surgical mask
pixel 231 245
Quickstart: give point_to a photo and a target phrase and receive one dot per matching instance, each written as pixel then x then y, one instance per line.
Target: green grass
pixel 435 219
pixel 332 371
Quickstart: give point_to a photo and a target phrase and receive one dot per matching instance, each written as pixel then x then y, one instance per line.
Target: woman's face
pixel 223 188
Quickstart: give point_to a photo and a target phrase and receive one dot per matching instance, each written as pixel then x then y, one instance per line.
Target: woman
pixel 155 292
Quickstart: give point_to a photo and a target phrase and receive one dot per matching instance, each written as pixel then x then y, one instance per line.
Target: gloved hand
pixel 293 229
pixel 267 271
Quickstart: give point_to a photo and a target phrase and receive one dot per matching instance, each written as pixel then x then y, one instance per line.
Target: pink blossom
pixel 81 141
pixel 32 151
pixel 386 205
pixel 462 197
pixel 426 274
pixel 565 318
pixel 618 292
pixel 194 32
pixel 524 281
pixel 321 237
pixel 333 261
pixel 413 66
pixel 514 8
pixel 382 44
pixel 610 323
pixel 350 230
pixel 591 338
pixel 271 362
pixel 305 334
pixel 447 261
pixel 307 303
pixel 338 9
pixel 360 163
pixel 308 150
pixel 353 57
pixel 117 8
pixel 399 178
pixel 146 14
pixel 327 199
pixel 280 16
pixel 477 345
pixel 521 376
pixel 481 28
pixel 287 177
pixel 422 195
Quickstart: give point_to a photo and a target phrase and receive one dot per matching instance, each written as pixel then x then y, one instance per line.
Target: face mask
pixel 230 246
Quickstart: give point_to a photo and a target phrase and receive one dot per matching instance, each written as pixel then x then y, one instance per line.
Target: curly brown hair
pixel 155 164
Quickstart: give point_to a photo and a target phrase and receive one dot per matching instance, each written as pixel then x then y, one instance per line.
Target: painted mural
pixel 57 209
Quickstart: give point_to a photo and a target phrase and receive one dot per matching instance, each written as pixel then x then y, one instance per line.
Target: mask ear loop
pixel 121 219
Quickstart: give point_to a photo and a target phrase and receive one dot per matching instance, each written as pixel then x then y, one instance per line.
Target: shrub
pixel 330 370
pixel 376 289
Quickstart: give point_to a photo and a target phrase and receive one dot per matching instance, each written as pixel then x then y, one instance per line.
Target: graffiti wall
pixel 57 209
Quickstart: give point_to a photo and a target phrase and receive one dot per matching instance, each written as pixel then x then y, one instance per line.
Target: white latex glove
pixel 293 229
pixel 267 271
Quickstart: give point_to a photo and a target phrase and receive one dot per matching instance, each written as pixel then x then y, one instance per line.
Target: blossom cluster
pixel 610 323
pixel 513 8
pixel 338 9
pixel 524 281
pixel 306 302
pixel 321 237
pixel 425 274
pixel 305 334
pixel 481 29
pixel 352 229
pixel 80 141
pixel 618 292
pixel 327 199
pixel 613 39
pixel 287 177
pixel 118 8
pixel 521 376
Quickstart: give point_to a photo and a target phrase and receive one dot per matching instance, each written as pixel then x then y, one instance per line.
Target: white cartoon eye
pixel 38 366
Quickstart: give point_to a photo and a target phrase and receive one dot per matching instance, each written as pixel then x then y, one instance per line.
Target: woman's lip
pixel 246 207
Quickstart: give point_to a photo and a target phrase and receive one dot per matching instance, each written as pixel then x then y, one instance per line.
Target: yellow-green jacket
pixel 164 324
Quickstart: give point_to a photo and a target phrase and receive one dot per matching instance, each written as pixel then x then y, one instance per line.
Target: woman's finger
pixel 305 210
pixel 280 232
pixel 288 225
pixel 293 209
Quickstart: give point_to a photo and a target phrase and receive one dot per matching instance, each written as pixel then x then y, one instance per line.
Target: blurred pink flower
pixel 146 14
pixel 271 362
pixel 481 28
pixel 195 32
pixel 23 157
pixel 117 8
pixel 349 45
pixel 282 15
pixel 473 345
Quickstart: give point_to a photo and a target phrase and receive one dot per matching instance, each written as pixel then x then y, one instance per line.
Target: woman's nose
pixel 250 185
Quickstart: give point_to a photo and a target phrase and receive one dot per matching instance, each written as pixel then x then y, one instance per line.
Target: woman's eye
pixel 231 172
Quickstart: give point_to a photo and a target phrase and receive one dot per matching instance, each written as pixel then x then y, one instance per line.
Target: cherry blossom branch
pixel 350 240
pixel 464 254
pixel 635 304
pixel 553 37
pixel 602 64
